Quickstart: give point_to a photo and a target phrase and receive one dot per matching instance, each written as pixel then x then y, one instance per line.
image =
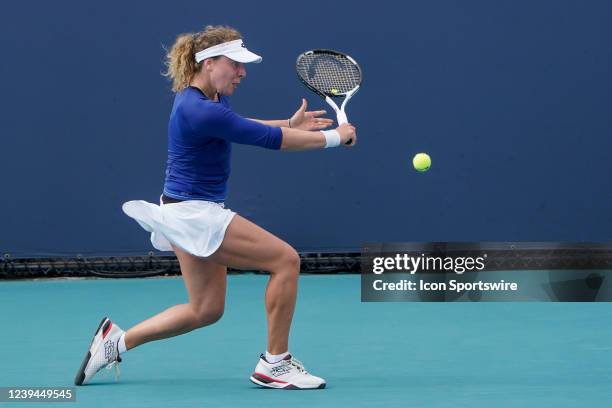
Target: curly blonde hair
pixel 180 60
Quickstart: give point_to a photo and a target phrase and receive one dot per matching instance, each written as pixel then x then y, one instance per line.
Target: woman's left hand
pixel 309 120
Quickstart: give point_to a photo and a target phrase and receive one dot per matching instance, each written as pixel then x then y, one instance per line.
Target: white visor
pixel 235 50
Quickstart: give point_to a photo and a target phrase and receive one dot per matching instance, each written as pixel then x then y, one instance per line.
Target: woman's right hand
pixel 348 133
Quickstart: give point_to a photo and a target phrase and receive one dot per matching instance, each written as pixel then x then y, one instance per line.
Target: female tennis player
pixel 206 68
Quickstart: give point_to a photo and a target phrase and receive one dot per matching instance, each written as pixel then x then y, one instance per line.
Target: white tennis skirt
pixel 195 226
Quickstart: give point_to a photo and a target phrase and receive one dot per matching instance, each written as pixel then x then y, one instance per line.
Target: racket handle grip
pixel 342 119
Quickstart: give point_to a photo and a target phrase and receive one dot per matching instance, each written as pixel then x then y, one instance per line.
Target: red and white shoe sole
pixel 267 382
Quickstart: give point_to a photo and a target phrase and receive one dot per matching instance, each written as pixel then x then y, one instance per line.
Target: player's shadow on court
pixel 174 383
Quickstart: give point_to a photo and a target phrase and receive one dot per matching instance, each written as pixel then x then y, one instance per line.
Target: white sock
pixel 275 358
pixel 121 344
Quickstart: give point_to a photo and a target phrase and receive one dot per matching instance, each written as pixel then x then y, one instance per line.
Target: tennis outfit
pixel 191 213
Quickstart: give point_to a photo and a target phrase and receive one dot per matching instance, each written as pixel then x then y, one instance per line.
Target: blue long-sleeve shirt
pixel 200 137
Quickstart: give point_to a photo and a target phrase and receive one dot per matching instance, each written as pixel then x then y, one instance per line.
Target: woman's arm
pixel 296 139
pixel 218 121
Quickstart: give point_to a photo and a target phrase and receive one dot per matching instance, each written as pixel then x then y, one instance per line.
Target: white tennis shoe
pixel 287 374
pixel 103 352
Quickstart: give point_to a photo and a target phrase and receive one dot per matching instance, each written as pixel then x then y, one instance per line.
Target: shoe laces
pixel 115 364
pixel 297 364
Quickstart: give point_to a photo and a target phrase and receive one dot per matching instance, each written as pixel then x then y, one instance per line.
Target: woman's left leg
pixel 205 281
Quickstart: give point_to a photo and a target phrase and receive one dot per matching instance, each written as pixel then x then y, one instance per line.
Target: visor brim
pixel 244 56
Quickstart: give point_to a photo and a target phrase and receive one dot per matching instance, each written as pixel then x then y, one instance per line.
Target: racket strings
pixel 330 74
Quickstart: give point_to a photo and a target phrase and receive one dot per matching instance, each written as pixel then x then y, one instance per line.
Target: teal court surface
pixel 371 354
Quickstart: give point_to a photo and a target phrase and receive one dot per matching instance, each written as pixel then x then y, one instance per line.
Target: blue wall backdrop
pixel 512 99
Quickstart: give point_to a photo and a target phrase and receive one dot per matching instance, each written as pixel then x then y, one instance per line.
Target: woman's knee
pixel 207 314
pixel 288 263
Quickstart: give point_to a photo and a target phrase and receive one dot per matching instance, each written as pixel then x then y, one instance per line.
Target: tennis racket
pixel 330 74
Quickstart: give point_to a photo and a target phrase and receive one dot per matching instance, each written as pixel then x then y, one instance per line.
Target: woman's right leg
pixel 205 281
pixel 248 246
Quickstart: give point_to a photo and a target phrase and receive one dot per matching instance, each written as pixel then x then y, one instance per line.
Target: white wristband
pixel 332 138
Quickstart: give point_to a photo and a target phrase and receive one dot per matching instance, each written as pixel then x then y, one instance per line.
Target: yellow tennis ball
pixel 334 91
pixel 421 162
